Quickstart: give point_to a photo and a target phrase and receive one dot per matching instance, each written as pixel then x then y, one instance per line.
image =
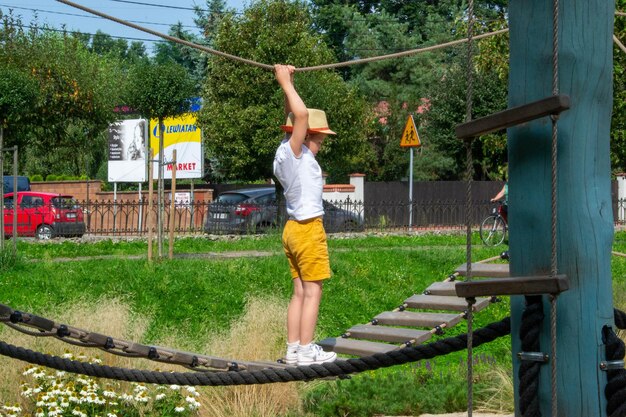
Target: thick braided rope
pixel 615 389
pixel 271 67
pixel 620 319
pixel 529 370
pixel 265 376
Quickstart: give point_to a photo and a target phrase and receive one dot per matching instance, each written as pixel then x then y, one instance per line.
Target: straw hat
pixel 317 122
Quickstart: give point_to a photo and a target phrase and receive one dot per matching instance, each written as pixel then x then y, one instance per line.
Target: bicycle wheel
pixel 492 230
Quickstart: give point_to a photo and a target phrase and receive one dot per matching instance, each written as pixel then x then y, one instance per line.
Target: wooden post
pixel 149 217
pixel 160 191
pixel 585 218
pixel 172 208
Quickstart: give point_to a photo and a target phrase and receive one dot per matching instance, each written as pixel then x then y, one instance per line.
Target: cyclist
pixel 503 193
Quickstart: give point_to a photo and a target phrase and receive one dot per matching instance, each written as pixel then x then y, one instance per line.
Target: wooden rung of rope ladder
pixel 440 302
pixel 355 347
pixel 441 288
pixel 485 270
pixel 414 319
pixel 532 285
pixel 388 334
pixel 514 116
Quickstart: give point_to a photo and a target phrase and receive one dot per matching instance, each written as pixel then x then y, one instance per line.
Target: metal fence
pixel 130 218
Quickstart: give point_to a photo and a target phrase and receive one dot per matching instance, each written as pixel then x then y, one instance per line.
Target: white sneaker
pixel 314 354
pixel 291 357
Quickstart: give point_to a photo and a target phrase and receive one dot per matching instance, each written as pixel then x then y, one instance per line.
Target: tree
pixel 77 91
pixel 158 92
pixel 18 90
pixel 448 110
pixel 191 59
pixel 618 120
pixel 243 105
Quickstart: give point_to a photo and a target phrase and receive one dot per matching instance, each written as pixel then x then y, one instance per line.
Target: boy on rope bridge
pixel 304 238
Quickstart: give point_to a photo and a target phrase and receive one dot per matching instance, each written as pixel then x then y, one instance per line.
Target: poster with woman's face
pixel 127 151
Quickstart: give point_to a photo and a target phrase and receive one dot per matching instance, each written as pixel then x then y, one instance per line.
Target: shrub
pixel 36 178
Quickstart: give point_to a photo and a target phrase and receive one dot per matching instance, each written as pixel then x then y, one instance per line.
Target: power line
pixel 88 16
pixel 161 5
pixel 50 29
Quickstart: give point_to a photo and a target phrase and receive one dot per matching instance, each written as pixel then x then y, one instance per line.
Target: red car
pixel 43 215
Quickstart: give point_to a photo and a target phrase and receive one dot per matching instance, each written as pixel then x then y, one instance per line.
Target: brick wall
pixel 92 190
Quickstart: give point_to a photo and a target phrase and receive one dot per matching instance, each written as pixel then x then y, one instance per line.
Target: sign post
pixel 410 139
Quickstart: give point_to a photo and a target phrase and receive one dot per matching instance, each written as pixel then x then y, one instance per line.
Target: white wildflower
pixel 30 370
pixel 126 397
pixel 142 398
pixel 79 413
pixel 159 397
pixel 180 409
pixel 174 387
pixel 109 394
pixel 140 388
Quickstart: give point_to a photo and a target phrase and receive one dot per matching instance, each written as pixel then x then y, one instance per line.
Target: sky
pixel 141 12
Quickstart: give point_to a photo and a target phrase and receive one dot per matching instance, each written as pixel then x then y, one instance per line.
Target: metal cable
pixel 468 116
pixel 271 67
pixel 554 254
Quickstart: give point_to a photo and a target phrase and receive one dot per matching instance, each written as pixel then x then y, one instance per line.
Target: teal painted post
pixel 585 218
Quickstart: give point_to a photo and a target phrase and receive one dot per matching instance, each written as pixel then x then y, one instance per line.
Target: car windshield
pixel 64 202
pixel 231 198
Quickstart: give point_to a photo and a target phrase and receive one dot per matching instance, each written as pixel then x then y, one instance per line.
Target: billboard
pixel 127 151
pixel 182 134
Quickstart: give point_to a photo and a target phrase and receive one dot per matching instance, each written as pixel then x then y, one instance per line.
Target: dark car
pixel 43 215
pixel 242 211
pixel 256 210
pixel 337 219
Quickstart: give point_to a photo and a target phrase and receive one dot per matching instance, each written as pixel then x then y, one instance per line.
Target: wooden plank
pixel 485 270
pixel 514 286
pixel 355 347
pixel 440 302
pixel 513 116
pixel 388 334
pixel 410 318
pixel 441 288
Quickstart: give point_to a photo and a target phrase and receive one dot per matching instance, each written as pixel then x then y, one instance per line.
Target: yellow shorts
pixel 305 245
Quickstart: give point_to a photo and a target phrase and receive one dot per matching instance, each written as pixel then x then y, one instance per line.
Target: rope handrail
pixel 302 69
pixel 619 44
pixel 271 67
pixel 339 368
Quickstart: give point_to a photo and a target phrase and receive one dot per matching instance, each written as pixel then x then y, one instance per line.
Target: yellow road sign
pixel 410 138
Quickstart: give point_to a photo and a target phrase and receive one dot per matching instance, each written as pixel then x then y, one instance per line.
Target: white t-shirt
pixel 302 180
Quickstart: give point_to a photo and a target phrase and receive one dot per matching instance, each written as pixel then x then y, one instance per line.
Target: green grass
pixel 194 296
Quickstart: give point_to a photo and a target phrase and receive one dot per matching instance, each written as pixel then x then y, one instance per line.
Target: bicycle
pixel 494 227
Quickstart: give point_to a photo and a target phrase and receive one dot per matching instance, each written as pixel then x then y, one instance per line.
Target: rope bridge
pixel 219 371
pixel 223 372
